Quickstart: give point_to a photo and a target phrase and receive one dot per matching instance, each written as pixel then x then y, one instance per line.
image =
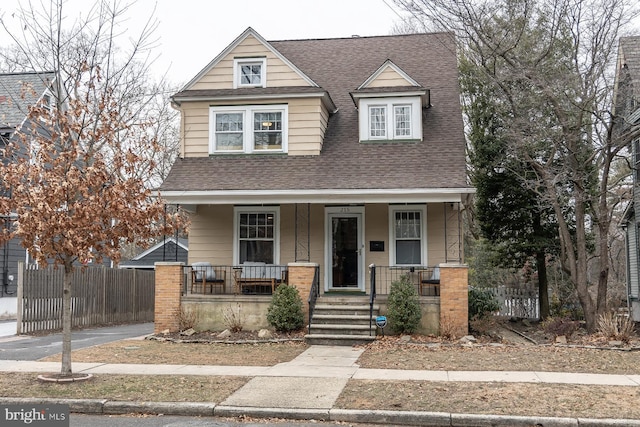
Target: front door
pixel 345 270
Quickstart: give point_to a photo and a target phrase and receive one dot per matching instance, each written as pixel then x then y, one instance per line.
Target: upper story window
pixel 390 119
pixel 249 72
pixel 248 129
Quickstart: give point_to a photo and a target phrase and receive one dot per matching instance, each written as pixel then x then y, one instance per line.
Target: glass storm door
pixel 345 252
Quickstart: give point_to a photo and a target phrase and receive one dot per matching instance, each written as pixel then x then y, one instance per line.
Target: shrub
pixel 617 327
pixel 233 318
pixel 285 311
pixel 403 306
pixel 187 318
pixel 481 302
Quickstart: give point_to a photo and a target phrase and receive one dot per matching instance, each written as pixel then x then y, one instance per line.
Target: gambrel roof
pixel 338 67
pixel 18 91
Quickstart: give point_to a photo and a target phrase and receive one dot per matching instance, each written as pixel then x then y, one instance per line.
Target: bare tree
pixel 79 176
pixel 552 64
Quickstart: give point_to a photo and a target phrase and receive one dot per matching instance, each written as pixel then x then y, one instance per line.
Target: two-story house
pixel 18 91
pixel 347 155
pixel 627 112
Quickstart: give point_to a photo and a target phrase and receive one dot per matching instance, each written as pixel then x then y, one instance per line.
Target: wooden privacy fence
pixel 99 296
pixel 516 302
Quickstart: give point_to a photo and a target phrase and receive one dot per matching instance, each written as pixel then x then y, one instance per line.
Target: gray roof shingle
pixel 340 66
pixel 630 47
pixel 17 92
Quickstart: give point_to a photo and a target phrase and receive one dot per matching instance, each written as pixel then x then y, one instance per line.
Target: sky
pixel 193 32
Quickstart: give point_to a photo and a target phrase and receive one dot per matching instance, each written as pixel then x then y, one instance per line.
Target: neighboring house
pixel 168 249
pixel 18 91
pixel 627 113
pixel 340 153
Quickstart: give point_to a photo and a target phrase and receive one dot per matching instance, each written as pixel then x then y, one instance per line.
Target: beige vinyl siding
pixel 435 234
pixel 376 227
pixel 195 129
pixel 389 78
pixel 287 234
pixel 307 125
pixel 211 235
pixel 279 74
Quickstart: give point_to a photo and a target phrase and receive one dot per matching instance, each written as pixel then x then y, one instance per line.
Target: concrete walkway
pixel 308 386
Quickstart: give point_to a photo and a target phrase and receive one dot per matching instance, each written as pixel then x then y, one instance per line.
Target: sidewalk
pixel 291 390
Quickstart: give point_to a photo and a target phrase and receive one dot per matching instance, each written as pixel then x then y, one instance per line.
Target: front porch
pixel 441 302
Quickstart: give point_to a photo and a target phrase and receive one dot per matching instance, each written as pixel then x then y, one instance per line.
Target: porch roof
pixel 395 195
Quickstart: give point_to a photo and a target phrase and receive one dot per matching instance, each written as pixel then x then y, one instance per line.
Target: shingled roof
pixel 339 67
pixel 17 92
pixel 630 47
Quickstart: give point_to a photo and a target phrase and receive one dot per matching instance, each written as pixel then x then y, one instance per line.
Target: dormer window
pixel 386 119
pixel 250 72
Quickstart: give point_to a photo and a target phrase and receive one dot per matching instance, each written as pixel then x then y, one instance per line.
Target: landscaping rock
pixel 265 333
pixel 188 332
pixel 616 343
pixel 468 339
pixel 405 338
pixel 561 339
pixel 224 334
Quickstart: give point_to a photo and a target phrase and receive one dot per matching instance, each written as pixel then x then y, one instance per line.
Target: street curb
pixel 414 418
pixel 164 408
pixel 83 406
pixel 286 413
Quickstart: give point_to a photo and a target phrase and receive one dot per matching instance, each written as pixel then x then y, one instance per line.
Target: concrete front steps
pixel 342 321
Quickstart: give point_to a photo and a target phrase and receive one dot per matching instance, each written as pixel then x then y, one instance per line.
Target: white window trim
pixel 389 103
pixel 247 128
pixel 423 233
pixel 238 62
pixel 275 210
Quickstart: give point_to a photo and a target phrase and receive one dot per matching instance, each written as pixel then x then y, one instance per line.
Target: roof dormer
pixel 390 106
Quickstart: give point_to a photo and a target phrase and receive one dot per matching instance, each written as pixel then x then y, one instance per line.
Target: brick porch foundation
pixel 301 276
pixel 167 300
pixel 454 299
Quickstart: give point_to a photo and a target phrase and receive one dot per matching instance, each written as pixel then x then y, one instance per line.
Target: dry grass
pixel 549 400
pixel 165 352
pixel 126 388
pixel 506 358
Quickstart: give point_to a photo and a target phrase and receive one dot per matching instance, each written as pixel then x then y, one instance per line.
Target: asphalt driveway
pixel 24 347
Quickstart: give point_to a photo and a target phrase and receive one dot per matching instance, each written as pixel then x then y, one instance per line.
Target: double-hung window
pixel 407 235
pixel 390 119
pixel 248 129
pixel 256 235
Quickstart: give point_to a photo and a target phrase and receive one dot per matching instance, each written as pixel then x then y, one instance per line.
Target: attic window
pixel 249 72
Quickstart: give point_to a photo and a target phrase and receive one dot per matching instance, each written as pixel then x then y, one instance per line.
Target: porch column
pixel 301 276
pixel 167 298
pixel 454 298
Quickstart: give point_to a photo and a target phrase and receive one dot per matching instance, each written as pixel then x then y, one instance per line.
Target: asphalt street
pixel 23 347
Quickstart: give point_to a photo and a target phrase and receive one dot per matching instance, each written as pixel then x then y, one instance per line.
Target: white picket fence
pixel 518 303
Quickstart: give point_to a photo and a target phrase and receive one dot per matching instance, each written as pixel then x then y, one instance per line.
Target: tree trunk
pixel 543 285
pixel 66 321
